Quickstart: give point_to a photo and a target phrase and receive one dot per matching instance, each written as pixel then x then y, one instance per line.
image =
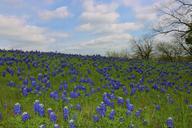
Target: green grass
pixel 178 110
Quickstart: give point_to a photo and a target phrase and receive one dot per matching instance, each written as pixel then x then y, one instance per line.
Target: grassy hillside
pixel 157 90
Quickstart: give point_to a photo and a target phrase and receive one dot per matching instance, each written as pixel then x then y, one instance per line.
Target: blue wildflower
pixel 71 124
pixel 53 117
pixel 36 106
pixel 66 113
pixel 41 110
pixel 17 109
pixel 33 83
pixel 49 110
pixel 131 125
pixel 42 126
pixel 145 122
pixel 130 107
pixel 128 113
pixel 56 126
pixel 1 117
pixel 157 107
pixel 169 122
pixel 78 107
pixel 95 118
pixel 138 113
pixel 120 101
pixel 112 114
pixel 24 91
pixel 25 116
pixel 101 109
pixel 121 119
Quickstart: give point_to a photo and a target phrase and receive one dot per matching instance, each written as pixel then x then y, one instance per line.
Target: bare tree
pixel 123 53
pixel 170 51
pixel 177 19
pixel 143 47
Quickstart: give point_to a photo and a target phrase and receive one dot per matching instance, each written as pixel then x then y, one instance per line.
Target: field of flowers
pixel 53 90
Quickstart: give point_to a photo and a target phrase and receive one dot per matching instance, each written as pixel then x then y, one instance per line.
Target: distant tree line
pixel 177 20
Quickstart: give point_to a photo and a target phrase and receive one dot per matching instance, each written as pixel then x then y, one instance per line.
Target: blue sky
pixel 74 26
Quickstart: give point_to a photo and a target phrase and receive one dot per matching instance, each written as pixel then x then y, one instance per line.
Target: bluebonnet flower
pixel 145 122
pixel 101 110
pixel 138 113
pixel 130 107
pixel 24 91
pixel 41 110
pixel 78 107
pixel 127 102
pixel 65 86
pixel 64 93
pixel 48 84
pixel 11 84
pixel 42 126
pixel 25 82
pixel 128 113
pixel 131 125
pixel 186 101
pixel 190 106
pixel 106 100
pixel 54 95
pixel 3 73
pixel 133 91
pixel 157 107
pixel 120 101
pixel 61 87
pixel 25 116
pixel 112 114
pixel 74 117
pixel 170 99
pixel 71 124
pixel 53 117
pixel 49 110
pixel 36 106
pixel 66 113
pixel 56 126
pixel 155 87
pixel 33 83
pixel 169 122
pixel 1 116
pixel 125 90
pixel 121 119
pixel 17 109
pixel 112 96
pixel 74 94
pixel 95 118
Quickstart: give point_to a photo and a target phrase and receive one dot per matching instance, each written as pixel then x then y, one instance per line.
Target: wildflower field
pixel 53 90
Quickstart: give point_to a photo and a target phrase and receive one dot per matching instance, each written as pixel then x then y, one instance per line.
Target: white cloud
pixel 108 39
pixel 58 34
pixel 16 33
pixel 99 13
pixel 110 28
pixel 102 44
pixel 100 18
pixel 142 12
pixel 130 2
pixel 146 12
pixel 61 12
pixel 49 1
pixel 15 29
pixel 86 27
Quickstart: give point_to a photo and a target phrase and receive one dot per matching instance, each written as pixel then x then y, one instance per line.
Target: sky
pixel 75 26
